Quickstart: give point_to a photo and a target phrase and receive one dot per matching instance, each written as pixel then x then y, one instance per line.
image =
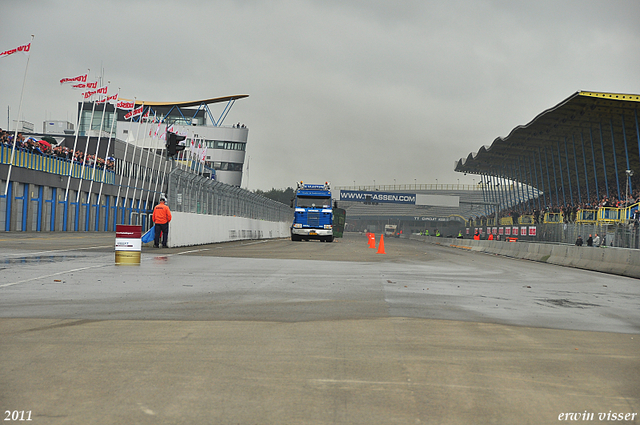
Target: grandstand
pixel 578 153
pixel 580 158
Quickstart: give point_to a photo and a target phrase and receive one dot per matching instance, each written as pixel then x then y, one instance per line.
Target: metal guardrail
pixel 390 187
pixel 616 235
pixel 188 192
pixel 55 165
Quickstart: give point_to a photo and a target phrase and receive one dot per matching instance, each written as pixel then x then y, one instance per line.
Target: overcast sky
pixel 339 90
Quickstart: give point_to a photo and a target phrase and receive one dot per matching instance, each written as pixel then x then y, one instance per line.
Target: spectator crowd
pixel 45 148
pixel 569 211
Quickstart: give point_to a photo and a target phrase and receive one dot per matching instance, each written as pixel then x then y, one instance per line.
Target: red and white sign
pixel 501 231
pixel 507 231
pixel 128 238
pixel 24 49
pixel 204 154
pixel 134 113
pixel 101 90
pixel 532 230
pixel 78 79
pixel 523 231
pixel 84 86
pixel 515 230
pixel 111 99
pixel 127 106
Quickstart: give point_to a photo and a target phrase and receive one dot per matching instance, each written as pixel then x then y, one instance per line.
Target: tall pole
pixel 15 134
pixel 75 144
pixel 113 122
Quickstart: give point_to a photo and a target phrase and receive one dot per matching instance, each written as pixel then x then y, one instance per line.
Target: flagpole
pixel 153 164
pixel 143 172
pixel 15 135
pixel 124 159
pixel 133 157
pixel 164 173
pixel 75 143
pixel 84 156
pixel 95 162
pixel 104 172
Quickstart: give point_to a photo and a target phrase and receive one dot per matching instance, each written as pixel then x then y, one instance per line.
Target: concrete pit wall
pixel 620 261
pixel 187 229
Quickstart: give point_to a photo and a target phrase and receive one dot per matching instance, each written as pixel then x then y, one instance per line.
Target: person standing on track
pixel 161 218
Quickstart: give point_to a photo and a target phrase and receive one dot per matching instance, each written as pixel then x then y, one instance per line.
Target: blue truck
pixel 313 216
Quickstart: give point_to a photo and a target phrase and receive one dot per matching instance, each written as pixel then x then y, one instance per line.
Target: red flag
pixel 84 86
pixel 101 90
pixel 78 79
pixel 134 113
pixel 88 94
pixel 24 49
pixel 111 99
pixel 125 105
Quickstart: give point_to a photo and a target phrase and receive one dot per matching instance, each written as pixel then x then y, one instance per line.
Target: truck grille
pixel 313 218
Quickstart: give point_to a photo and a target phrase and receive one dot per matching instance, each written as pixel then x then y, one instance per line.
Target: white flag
pixel 84 86
pixel 127 106
pixel 24 49
pixel 110 99
pixel 203 158
pixel 134 113
pixel 78 79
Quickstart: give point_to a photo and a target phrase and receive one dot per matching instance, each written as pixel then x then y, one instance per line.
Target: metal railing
pixel 417 186
pixel 188 192
pixel 611 235
pixel 54 165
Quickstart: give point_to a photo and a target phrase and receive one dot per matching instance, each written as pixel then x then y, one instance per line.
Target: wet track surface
pixel 305 281
pixel 309 332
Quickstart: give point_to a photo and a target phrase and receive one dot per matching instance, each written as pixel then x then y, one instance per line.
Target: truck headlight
pixel 298 225
pixel 327 226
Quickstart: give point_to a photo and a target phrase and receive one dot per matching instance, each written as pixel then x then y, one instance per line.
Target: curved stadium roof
pixel 589 138
pixel 191 103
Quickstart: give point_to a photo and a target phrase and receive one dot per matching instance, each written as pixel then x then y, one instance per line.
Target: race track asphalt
pixel 281 332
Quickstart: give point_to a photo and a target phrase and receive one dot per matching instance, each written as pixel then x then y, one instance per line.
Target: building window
pixel 233 146
pixel 225 166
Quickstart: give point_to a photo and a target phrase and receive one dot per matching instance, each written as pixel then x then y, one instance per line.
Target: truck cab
pixel 390 229
pixel 313 215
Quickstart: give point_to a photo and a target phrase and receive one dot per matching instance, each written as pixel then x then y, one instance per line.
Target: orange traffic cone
pixel 372 240
pixel 381 245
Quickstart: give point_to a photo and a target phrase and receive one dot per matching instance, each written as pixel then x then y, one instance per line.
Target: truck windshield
pixel 313 202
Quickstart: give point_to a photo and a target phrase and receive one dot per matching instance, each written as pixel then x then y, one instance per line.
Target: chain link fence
pixel 618 235
pixel 188 192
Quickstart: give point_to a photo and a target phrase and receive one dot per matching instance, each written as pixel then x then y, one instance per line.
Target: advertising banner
pixel 377 197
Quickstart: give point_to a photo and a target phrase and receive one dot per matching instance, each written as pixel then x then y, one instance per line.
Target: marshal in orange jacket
pixel 161 213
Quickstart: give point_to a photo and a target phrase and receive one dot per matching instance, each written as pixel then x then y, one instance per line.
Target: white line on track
pixel 53 274
pixel 32 254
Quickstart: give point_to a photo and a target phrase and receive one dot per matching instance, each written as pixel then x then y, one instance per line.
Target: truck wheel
pixel 329 239
pixel 295 238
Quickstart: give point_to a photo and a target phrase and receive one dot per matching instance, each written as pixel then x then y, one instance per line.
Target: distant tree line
pixel 281 195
